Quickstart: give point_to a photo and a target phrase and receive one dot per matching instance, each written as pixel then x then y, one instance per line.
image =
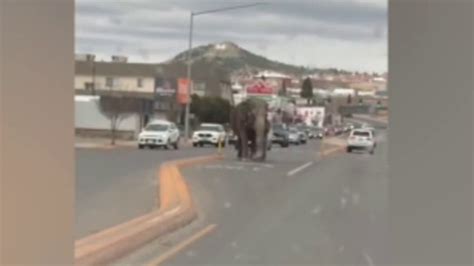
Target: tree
pixel 307 90
pixel 211 109
pixel 116 108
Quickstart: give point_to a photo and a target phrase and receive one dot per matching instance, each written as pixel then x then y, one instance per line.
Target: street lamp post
pixel 189 62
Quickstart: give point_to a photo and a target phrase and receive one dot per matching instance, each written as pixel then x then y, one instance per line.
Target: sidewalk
pixel 104 143
pixel 101 143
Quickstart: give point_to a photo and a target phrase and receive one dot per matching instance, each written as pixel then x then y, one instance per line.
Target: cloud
pixel 161 27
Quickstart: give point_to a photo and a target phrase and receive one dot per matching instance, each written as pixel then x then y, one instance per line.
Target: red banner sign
pixel 260 88
pixel 183 87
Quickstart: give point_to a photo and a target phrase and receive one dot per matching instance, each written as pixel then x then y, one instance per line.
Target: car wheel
pixel 195 144
pixel 349 149
pixel 176 144
pixel 141 147
pixel 372 151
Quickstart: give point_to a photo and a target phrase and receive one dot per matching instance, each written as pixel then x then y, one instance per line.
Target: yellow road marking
pixel 178 248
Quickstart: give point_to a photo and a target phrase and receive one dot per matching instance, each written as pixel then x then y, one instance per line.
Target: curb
pixel 102 146
pixel 176 210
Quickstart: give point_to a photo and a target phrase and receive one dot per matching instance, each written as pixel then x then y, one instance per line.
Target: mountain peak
pixel 227 55
pixel 226 45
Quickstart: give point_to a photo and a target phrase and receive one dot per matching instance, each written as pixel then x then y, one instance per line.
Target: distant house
pixel 116 75
pixel 137 80
pixel 209 79
pixel 90 122
pixel 343 92
pixel 275 79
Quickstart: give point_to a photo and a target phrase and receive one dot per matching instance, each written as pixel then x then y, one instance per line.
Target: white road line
pixel 369 259
pixel 299 169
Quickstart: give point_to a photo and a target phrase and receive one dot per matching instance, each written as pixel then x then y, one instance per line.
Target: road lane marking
pixel 181 246
pixel 316 210
pixel 299 169
pixel 343 202
pixel 369 259
pixel 355 198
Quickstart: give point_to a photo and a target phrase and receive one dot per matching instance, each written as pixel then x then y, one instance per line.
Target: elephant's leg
pixel 244 145
pixel 238 147
pixel 264 150
pixel 253 144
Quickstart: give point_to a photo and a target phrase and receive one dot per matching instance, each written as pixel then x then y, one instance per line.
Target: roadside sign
pixel 183 87
pixel 260 88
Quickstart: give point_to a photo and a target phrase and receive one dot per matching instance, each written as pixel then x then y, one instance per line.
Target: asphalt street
pixel 294 209
pixel 114 186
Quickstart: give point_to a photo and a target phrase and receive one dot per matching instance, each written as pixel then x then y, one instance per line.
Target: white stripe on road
pixel 299 169
pixel 369 259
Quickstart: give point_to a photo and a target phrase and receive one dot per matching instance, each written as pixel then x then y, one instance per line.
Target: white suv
pixel 209 134
pixel 361 139
pixel 159 134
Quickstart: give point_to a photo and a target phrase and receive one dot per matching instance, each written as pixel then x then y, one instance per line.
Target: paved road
pixel 114 186
pixel 333 212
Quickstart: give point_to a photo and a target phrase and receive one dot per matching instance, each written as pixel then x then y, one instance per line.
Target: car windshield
pixel 361 133
pixel 156 127
pixel 210 128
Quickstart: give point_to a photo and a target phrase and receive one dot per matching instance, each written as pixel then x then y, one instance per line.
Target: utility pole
pixel 189 61
pixel 188 104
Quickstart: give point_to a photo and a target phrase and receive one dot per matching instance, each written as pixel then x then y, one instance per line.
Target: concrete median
pixel 176 210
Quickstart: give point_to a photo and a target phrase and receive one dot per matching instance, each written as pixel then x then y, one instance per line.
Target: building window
pixel 140 83
pixel 109 82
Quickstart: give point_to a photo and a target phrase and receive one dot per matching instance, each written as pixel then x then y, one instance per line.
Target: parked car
pixel 294 136
pixel 307 130
pixel 159 133
pixel 346 128
pixel 361 139
pixel 351 126
pixel 302 138
pixel 212 134
pixel 327 131
pixel 338 129
pixel 280 135
pixel 318 132
pixel 231 137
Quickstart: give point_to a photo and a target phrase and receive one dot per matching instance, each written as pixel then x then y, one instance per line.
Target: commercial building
pixel 156 94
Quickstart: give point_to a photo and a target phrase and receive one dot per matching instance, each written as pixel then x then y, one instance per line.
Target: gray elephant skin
pixel 249 121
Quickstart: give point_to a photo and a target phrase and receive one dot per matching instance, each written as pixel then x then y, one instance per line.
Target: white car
pixel 294 136
pixel 212 134
pixel 159 134
pixel 361 139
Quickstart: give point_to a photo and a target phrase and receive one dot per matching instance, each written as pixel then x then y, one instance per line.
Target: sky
pixel 344 34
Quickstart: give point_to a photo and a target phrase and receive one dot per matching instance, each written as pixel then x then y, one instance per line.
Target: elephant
pixel 249 121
